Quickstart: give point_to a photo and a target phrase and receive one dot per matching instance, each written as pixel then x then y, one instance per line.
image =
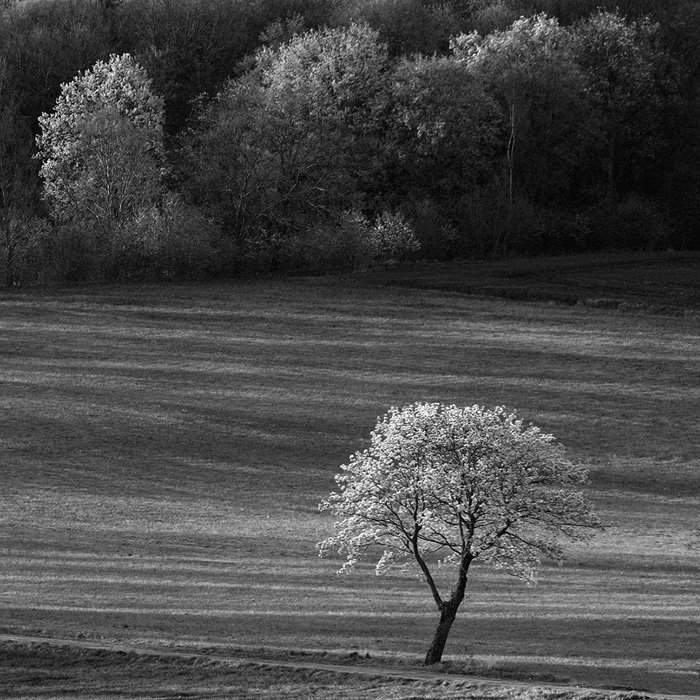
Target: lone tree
pixel 449 485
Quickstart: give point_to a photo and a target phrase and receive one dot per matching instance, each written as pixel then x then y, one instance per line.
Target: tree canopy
pixel 102 146
pixel 286 145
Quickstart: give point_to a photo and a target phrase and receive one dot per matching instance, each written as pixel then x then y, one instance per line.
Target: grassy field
pixel 164 450
pixel 651 282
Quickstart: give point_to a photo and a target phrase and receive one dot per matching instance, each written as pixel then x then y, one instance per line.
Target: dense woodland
pixel 177 139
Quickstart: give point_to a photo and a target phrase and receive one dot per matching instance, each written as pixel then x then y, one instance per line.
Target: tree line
pixel 149 139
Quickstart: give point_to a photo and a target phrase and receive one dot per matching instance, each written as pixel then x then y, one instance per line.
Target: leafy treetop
pixel 459 484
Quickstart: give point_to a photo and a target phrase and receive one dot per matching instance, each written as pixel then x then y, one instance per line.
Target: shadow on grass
pixel 652 283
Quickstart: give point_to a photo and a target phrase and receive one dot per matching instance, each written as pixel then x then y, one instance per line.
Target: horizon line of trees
pixel 174 139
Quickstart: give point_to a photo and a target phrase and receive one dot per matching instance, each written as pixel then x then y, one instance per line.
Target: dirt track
pixel 367 671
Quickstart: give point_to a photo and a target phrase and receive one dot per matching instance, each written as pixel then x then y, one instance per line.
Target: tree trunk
pixel 610 168
pixel 10 264
pixel 447 617
pixel 501 243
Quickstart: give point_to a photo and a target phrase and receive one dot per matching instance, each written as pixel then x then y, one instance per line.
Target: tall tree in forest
pixel 441 144
pixel 444 128
pixel 530 70
pixel 18 177
pixel 291 141
pixel 46 43
pixel 631 79
pixel 101 147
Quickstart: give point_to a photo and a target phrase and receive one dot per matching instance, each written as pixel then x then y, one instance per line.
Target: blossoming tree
pixel 448 485
pixel 102 146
